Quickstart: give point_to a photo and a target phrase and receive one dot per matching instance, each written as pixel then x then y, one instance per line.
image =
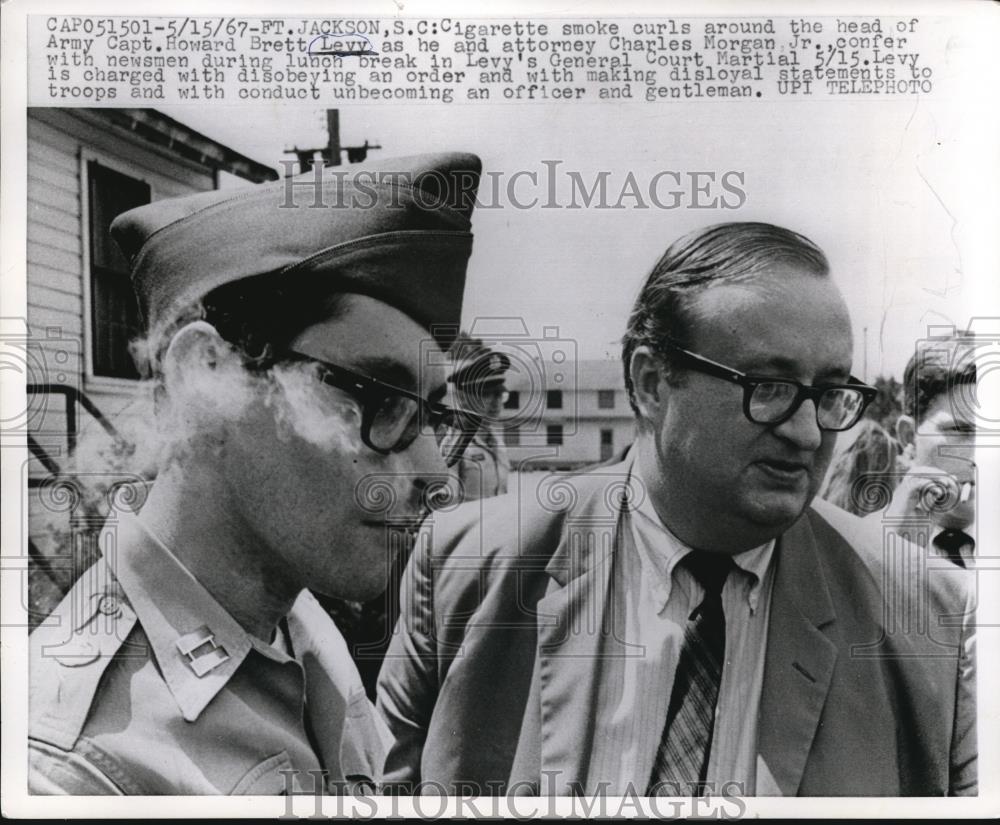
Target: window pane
pixel 513 400
pixel 111 193
pixel 115 322
pixel 115 318
pixel 512 437
pixel 607 444
pixel 554 399
pixel 554 435
pixel 606 399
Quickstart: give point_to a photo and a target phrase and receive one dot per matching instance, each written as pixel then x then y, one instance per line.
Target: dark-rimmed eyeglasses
pixel 392 417
pixel 772 401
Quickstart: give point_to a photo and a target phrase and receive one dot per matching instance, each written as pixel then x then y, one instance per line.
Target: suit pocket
pixel 266 779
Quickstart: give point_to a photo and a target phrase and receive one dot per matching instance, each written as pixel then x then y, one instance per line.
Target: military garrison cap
pixel 480 366
pixel 397 230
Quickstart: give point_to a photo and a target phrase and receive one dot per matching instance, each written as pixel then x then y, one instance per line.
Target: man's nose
pixel 428 465
pixel 801 429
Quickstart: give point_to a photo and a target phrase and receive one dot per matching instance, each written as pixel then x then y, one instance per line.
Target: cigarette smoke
pixel 183 417
pixel 322 415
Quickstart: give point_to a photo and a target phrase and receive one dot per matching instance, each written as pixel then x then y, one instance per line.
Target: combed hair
pixel 936 368
pixel 724 253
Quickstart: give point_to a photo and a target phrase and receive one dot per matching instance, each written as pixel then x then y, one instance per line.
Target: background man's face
pixel 302 478
pixel 783 324
pixel 945 441
pixel 484 399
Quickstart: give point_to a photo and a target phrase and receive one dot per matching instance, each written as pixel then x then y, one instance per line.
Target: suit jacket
pixel 489 680
pixel 141 683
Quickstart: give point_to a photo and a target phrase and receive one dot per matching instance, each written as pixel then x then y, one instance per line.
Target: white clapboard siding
pixel 67 241
pixel 47 254
pixel 42 214
pixel 54 279
pixel 41 153
pixel 40 296
pixel 68 323
pixel 40 191
pixel 58 177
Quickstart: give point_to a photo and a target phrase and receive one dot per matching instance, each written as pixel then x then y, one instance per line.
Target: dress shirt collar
pixel 660 551
pixel 198 645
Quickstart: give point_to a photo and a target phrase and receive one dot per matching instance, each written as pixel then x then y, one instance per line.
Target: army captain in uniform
pixel 478 382
pixel 286 346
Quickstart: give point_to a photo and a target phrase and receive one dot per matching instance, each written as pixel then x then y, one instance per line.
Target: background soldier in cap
pixel 478 380
pixel 297 416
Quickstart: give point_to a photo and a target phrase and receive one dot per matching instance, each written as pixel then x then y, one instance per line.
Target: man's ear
pixel 197 343
pixel 906 430
pixel 646 371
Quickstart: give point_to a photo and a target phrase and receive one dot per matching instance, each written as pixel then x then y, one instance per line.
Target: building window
pixel 554 435
pixel 512 437
pixel 114 311
pixel 553 400
pixel 607 444
pixel 605 399
pixel 513 400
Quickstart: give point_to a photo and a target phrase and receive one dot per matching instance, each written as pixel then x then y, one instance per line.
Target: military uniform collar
pixel 198 645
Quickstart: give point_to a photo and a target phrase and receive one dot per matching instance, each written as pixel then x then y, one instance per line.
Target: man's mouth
pixel 784 471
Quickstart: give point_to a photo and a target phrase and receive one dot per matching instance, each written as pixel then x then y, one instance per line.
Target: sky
pixel 887 188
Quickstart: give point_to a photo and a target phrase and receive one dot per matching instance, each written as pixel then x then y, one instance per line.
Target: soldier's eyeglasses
pixel 772 401
pixel 392 417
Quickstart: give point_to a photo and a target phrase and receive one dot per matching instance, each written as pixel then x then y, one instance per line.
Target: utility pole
pixel 331 153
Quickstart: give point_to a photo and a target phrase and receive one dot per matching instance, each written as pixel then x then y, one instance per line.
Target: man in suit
pixel 934 503
pixel 689 621
pixel 299 418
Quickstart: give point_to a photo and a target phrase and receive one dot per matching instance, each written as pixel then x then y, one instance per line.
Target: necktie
pixel 952 542
pixel 682 758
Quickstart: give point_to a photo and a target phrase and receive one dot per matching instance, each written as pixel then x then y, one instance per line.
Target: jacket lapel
pixel 351 741
pixel 799 664
pixel 571 630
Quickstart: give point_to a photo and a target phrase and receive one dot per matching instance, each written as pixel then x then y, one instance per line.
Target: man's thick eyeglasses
pixel 391 417
pixel 772 401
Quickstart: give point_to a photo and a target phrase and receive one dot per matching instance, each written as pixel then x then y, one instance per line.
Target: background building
pixel 585 420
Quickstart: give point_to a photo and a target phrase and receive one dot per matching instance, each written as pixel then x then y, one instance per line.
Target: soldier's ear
pixel 194 344
pixel 195 381
pixel 646 371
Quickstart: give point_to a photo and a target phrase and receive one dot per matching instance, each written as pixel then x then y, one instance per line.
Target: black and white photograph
pixel 540 412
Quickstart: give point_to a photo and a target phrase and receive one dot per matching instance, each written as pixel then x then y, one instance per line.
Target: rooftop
pixel 161 130
pixel 597 374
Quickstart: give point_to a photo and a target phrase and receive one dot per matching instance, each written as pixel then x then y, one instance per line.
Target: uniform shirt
pixel 651 599
pixel 485 466
pixel 142 683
